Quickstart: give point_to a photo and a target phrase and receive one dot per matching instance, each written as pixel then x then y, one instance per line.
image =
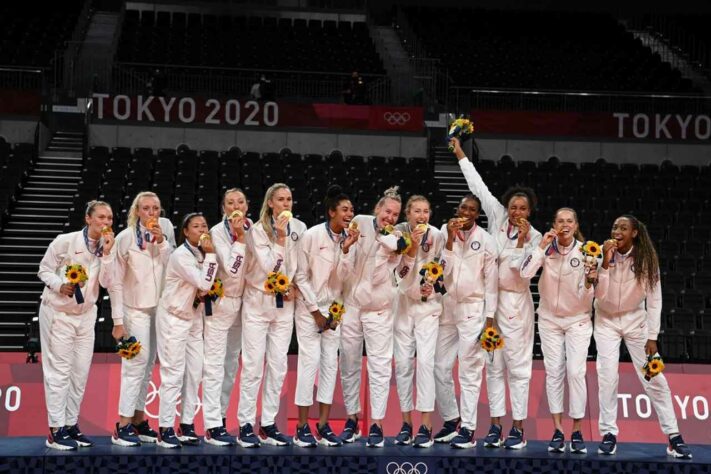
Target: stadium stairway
pixel 37 217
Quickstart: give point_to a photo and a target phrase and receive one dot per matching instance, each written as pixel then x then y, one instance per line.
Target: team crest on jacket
pixel 574 262
pixel 426 247
pixel 476 245
pixel 294 236
pixel 404 271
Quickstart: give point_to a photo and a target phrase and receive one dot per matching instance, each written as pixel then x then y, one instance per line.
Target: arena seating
pixel 541 50
pixel 30 39
pixel 247 42
pixel 188 180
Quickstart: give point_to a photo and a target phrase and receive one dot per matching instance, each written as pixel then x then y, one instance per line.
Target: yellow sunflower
pixel 269 286
pixel 592 248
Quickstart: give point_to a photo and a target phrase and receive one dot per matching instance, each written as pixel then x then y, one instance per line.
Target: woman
pixel 192 269
pixel 515 237
pixel 224 327
pixel 369 292
pixel 417 323
pixel 471 277
pixel 628 305
pixel 138 263
pixel 67 317
pixel 564 321
pixel 267 319
pixel 318 336
pixel 235 200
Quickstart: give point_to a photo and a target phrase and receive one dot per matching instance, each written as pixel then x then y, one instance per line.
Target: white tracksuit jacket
pixel 179 331
pixel 627 309
pixel 564 322
pixel 514 311
pixel 416 325
pixel 319 258
pixel 369 291
pixel 471 278
pixel 137 286
pixel 67 328
pixel 225 319
pixel 266 329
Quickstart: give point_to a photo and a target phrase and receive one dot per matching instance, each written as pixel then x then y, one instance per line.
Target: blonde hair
pixel 224 196
pixel 133 210
pixel 92 205
pixel 415 198
pixel 265 215
pixel 578 233
pixel 390 193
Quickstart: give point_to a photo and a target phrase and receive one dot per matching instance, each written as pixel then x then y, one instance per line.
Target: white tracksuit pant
pixel 266 331
pixel 609 331
pixel 181 351
pixel 234 347
pixel 224 313
pixel 67 349
pixel 136 373
pixel 415 332
pixel 564 342
pixel 515 322
pixel 318 353
pixel 376 329
pixel 459 337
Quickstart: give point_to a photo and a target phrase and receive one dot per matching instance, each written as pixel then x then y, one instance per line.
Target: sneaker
pixel 60 440
pixel 218 437
pixel 448 431
pixel 186 434
pixel 271 435
pixel 515 440
pixel 328 437
pixel 677 448
pixel 404 437
pixel 125 436
pixel 577 444
pixel 304 438
pixel 168 439
pixel 247 438
pixel 557 443
pixel 464 439
pixel 351 431
pixel 608 444
pixel 75 433
pixel 494 438
pixel 145 433
pixel 375 437
pixel 423 439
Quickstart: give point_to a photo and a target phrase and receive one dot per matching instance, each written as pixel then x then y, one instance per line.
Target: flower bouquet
pixel 491 340
pixel 653 367
pixel 277 284
pixel 460 128
pixel 128 348
pixel 404 241
pixel 432 275
pixel 335 314
pixel 76 275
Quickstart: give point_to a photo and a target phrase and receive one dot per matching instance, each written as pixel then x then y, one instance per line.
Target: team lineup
pixel 409 292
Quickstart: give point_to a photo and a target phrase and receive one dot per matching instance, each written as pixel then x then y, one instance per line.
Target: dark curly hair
pixel 646 261
pixel 520 191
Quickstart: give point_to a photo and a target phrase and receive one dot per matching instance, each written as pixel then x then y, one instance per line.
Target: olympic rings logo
pixel 154 394
pixel 396 118
pixel 406 468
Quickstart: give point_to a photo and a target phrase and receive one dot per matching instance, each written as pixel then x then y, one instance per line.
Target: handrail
pixel 237 69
